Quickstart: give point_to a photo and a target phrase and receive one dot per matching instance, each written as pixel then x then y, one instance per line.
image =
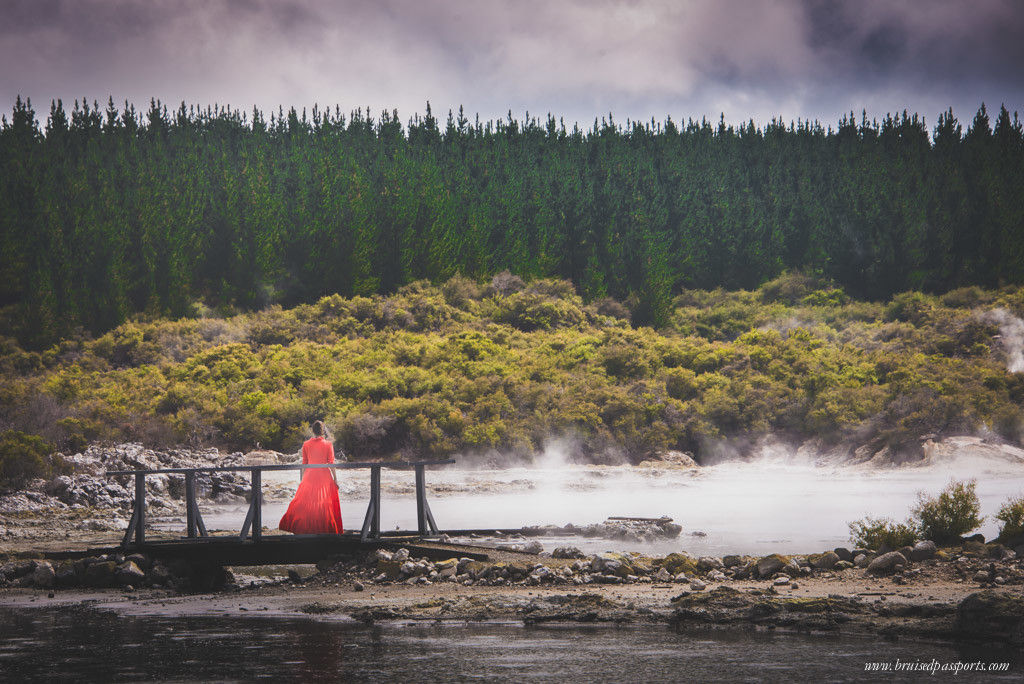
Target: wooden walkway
pixel 251 546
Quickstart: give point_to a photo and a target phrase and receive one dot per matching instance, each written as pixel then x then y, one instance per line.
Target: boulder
pixel 843 553
pixel 533 547
pixel 66 575
pixel 771 564
pixel 676 563
pixel 130 573
pixel 974 549
pixel 477 569
pixel 824 561
pixel 842 565
pixel 382 555
pixel 923 550
pixel 861 561
pixel 706 563
pixel 992 616
pixel 100 574
pixel 401 555
pixel 43 575
pixel 15 569
pixel 698 585
pixel 887 562
pixel 160 575
pixel 663 575
pixel 732 560
pixel 391 568
pixel 792 568
pixel 567 552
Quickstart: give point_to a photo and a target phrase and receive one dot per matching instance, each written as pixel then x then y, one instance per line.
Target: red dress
pixel 315 508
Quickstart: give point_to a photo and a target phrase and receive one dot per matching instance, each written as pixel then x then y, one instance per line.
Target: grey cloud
pixel 577 58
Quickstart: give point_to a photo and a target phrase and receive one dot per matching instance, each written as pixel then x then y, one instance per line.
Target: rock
pixel 923 550
pixel 160 575
pixel 843 553
pixel 732 560
pixel 991 616
pixel 43 575
pixel 709 563
pixel 781 581
pixel 358 586
pixel 15 569
pixel 792 568
pixel 887 562
pixel 391 568
pixel 717 576
pixel 382 555
pixel 676 563
pixel 981 576
pixel 824 561
pixel 663 575
pixel 698 585
pixel 476 569
pixel 842 565
pixel 681 578
pixel 533 547
pixel 130 573
pixel 974 549
pixel 401 555
pixel 99 574
pixel 66 574
pixel 140 559
pixel 771 564
pixel 567 552
pixel 861 561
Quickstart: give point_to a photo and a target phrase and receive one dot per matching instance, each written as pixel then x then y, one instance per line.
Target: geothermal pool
pixel 776 501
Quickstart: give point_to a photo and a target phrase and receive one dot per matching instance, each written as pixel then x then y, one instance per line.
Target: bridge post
pixel 254 518
pixel 140 508
pixel 424 518
pixel 371 523
pixel 190 499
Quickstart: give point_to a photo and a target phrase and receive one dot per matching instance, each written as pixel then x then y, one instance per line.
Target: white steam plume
pixel 1012 330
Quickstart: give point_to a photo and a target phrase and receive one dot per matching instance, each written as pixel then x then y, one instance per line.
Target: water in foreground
pixel 86 644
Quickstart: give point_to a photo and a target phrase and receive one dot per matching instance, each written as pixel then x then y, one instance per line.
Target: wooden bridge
pixel 250 546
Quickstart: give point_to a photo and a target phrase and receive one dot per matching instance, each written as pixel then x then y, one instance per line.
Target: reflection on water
pixel 89 645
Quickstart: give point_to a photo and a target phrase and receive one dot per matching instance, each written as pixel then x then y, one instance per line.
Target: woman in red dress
pixel 315 508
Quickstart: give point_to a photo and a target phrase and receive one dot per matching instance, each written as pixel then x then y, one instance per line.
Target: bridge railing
pixel 253 525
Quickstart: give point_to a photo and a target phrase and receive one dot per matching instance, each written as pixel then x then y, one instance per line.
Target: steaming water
pixel 776 503
pixel 46 644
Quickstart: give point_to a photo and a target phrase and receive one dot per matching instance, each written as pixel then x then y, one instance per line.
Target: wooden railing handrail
pixel 254 518
pixel 399 465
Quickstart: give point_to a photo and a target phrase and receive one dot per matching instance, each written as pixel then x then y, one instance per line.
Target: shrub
pixel 874 533
pixel 459 290
pixel 23 458
pixel 505 283
pixel 1011 518
pixel 951 515
pixel 789 288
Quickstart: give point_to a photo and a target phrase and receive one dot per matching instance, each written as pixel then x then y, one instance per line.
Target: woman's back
pixel 317 450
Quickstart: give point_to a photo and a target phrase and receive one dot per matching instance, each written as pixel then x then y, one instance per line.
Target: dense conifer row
pixel 105 213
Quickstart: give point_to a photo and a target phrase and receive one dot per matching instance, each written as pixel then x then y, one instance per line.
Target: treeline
pixel 106 213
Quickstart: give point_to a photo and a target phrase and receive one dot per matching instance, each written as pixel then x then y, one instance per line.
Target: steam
pixel 1012 330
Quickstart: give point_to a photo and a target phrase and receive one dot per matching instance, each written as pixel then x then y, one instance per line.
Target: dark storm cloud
pixel 579 58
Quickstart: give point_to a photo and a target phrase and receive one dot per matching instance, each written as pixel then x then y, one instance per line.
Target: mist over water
pixel 777 500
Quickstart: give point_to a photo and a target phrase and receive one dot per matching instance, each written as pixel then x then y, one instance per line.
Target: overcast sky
pixel 577 59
